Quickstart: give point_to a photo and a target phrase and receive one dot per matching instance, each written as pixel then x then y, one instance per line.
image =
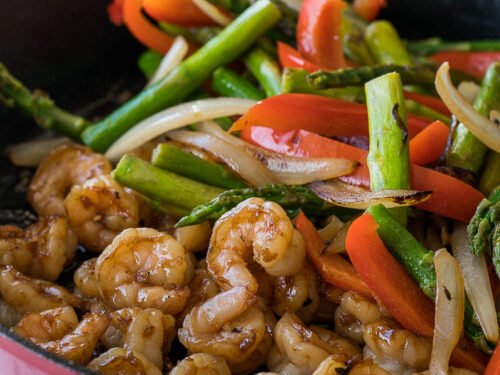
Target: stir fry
pixel 297 191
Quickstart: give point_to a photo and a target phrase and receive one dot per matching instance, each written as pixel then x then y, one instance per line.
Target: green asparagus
pixel 467 152
pixel 421 110
pixel 189 75
pixel 160 185
pixel 227 83
pixel 39 106
pixel 388 159
pixel 186 164
pixel 265 70
pixel 385 45
pixel 291 198
pixel 353 41
pixel 491 173
pixel 200 35
pixel 148 62
pixel 166 208
pixel 435 45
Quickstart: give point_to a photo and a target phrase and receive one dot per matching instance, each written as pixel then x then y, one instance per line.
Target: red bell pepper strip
pixel 319 32
pixel 319 114
pixel 180 12
pixel 388 280
pixel 291 58
pixel 474 63
pixel 494 363
pixel 433 103
pixel 115 12
pixel 451 197
pixel 334 269
pixel 428 145
pixel 368 9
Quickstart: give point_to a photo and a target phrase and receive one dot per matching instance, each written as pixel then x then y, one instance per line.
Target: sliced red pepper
pixel 494 363
pixel 450 198
pixel 291 58
pixel 326 116
pixel 115 12
pixel 334 269
pixel 433 103
pixel 428 145
pixel 319 33
pixel 180 12
pixel 368 9
pixel 474 63
pixel 387 279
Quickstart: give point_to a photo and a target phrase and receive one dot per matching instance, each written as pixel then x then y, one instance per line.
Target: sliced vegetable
pixel 31 153
pixel 334 269
pixel 484 129
pixel 450 306
pixel 436 44
pixel 265 70
pixel 331 229
pixel 385 45
pixel 475 63
pixel 490 178
pixel 494 363
pixel 429 101
pixel 428 145
pixel 228 83
pixel 174 118
pixel 171 60
pixel 319 33
pixel 477 281
pixel 115 12
pixel 181 12
pixel 341 194
pixel 291 58
pixel 212 12
pixel 388 280
pixel 368 9
pixel 337 245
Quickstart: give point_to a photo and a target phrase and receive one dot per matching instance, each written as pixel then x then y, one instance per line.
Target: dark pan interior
pixel 69 49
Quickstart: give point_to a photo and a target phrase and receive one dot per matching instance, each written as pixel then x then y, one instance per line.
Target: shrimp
pixel 85 280
pixel 57 173
pixel 194 237
pixel 228 325
pixel 41 250
pixel 99 210
pixel 145 268
pixel 258 229
pixel 368 367
pixel 201 364
pixel 120 361
pixel 78 346
pixel 451 371
pixel 341 345
pixel 26 294
pixel 47 325
pixel 146 331
pixel 388 342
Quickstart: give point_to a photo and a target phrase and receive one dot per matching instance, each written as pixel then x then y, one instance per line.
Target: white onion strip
pixel 31 153
pixel 247 167
pixel 483 128
pixel 288 169
pixel 477 281
pixel 331 229
pixel 213 12
pixel 345 195
pixel 171 60
pixel 174 118
pixel 469 90
pixel 296 5
pixel 450 306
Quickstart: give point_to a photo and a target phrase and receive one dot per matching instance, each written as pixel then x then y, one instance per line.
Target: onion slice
pixel 213 12
pixel 342 194
pixel 450 307
pixel 331 229
pixel 469 90
pixel 247 167
pixel 337 245
pixel 293 4
pixel 288 169
pixel 31 153
pixel 477 281
pixel 171 60
pixel 483 128
pixel 174 118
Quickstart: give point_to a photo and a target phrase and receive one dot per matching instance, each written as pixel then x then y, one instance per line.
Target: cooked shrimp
pixel 99 210
pixel 194 237
pixel 279 363
pixel 26 294
pixel 145 331
pixel 389 342
pixel 259 230
pixel 202 287
pixel 201 364
pixel 330 366
pixel 452 371
pixel 368 367
pixel 227 325
pixel 145 268
pixel 85 280
pixel 64 167
pixel 41 250
pixel 120 361
pixel 341 345
pixel 78 346
pixel 47 325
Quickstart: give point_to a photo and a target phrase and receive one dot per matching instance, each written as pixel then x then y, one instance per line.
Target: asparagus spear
pixel 421 110
pixel 166 208
pixel 148 62
pixel 294 81
pixel 186 164
pixel 434 45
pixel 200 35
pixel 160 185
pixel 385 45
pixel 39 106
pixel 227 83
pixel 353 41
pixel 491 173
pixel 388 159
pixel 265 69
pixel 291 198
pixel 189 75
pixel 467 152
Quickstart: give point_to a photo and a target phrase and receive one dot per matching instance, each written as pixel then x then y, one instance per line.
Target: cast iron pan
pixel 69 49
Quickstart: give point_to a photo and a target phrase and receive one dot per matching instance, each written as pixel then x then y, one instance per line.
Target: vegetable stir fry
pixel 296 190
